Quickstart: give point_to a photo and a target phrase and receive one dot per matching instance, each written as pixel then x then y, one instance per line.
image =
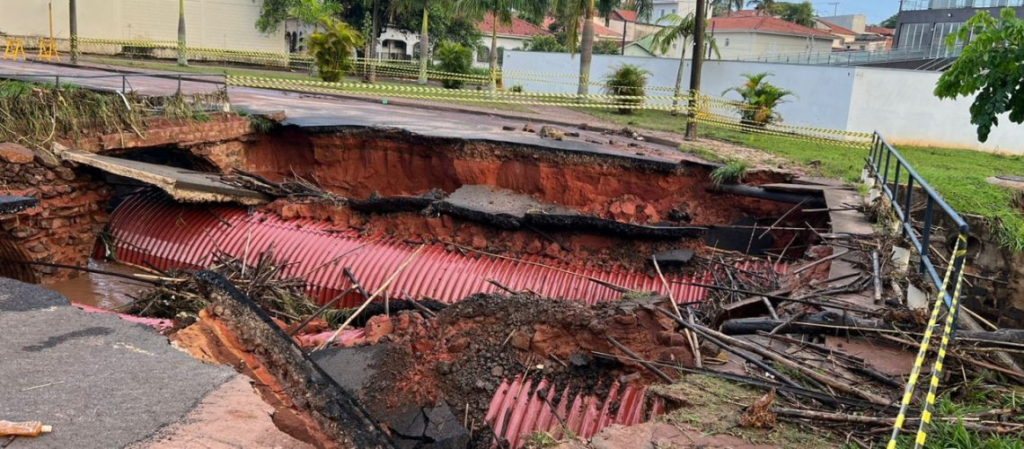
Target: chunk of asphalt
pixel 412 426
pixel 583 223
pixel 674 258
pixel 12 204
pixel 389 204
pixel 100 381
pixel 497 207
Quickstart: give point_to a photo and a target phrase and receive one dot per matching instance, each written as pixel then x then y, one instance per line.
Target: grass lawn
pixel 959 175
pixel 203 68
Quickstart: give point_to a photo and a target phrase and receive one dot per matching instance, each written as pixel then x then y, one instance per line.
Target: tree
pixel 990 68
pixel 890 22
pixel 332 49
pixel 605 8
pixel 312 12
pixel 643 8
pixel 605 47
pixel 765 6
pixel 502 12
pixel 726 7
pixel 760 98
pixel 577 16
pixel 401 6
pixel 544 44
pixel 454 58
pixel 676 28
pixel 182 59
pixel 798 13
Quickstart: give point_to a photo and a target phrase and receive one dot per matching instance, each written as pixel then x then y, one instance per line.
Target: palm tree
pixel 761 98
pixel 643 8
pixel 675 28
pixel 182 59
pixel 332 50
pixel 765 6
pixel 578 17
pixel 502 12
pixel 401 6
pixel 314 12
pixel 728 5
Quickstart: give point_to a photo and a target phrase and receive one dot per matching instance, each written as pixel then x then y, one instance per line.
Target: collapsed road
pixel 359 286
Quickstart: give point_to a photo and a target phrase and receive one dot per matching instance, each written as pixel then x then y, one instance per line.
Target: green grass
pixel 730 173
pixel 958 175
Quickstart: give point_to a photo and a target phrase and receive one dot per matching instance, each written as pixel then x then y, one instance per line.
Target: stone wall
pixel 162 132
pixel 63 228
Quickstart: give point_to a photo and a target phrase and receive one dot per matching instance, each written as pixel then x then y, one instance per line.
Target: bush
pixel 518 88
pixel 544 44
pixel 627 79
pixel 607 48
pixel 760 99
pixel 332 49
pixel 455 58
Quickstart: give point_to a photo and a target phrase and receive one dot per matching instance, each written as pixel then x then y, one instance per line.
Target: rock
pixel 497 371
pixel 579 360
pixel 479 242
pixel 572 134
pixel 550 132
pixel 673 258
pixel 528 127
pixel 378 327
pixel 520 340
pixel 508 128
pixel 13 153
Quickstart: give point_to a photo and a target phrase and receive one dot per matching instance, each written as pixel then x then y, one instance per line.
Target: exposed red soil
pixel 574 248
pixel 357 163
pixel 463 355
pixel 209 339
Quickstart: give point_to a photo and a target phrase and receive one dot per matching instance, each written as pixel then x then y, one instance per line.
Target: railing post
pixel 56 81
pixel 926 235
pixel 896 186
pixel 910 199
pixel 885 175
pixel 124 84
pixel 179 84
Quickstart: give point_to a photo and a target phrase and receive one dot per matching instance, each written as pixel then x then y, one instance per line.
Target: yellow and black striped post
pixel 922 353
pixel 947 335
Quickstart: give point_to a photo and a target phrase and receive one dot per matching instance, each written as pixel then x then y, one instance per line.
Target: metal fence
pixel 169 83
pixel 848 58
pixel 891 169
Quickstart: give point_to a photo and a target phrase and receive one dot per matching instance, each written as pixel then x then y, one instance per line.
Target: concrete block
pixel 900 259
pixel 916 298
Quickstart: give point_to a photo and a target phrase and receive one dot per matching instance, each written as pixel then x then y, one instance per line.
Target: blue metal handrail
pixel 883 157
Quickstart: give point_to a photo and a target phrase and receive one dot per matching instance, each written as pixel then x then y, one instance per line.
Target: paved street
pixel 310 110
pixel 101 382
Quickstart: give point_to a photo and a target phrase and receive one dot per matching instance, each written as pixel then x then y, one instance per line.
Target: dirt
pixel 357 164
pixel 464 354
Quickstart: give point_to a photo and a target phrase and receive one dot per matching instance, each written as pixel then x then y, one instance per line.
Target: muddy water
pixel 101 290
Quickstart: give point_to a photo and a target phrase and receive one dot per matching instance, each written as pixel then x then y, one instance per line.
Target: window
pixel 726 42
pixel 673 10
pixel 483 53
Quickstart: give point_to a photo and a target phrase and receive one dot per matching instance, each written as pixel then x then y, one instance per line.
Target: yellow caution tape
pixel 922 353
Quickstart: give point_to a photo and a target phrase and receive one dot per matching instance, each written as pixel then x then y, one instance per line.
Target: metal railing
pixel 100 82
pixel 846 58
pixel 886 161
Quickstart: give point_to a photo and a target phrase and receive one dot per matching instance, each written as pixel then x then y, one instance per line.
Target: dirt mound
pixel 463 354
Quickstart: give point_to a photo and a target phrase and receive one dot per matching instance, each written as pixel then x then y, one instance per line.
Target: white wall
pixel 228 24
pixel 897 103
pixel 823 93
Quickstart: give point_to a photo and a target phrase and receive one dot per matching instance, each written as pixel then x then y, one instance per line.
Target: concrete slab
pixel 187 186
pixel 846 219
pixel 101 382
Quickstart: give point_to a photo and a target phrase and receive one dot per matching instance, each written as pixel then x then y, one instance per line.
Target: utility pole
pixel 835 8
pixel 73 15
pixel 698 63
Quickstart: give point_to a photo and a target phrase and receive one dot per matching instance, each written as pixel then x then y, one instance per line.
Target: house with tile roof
pixel 754 36
pixel 510 37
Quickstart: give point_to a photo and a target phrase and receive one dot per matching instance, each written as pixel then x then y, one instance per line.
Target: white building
pixel 224 24
pixel 755 36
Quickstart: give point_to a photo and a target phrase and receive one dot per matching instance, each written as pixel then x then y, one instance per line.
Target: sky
pixel 876 10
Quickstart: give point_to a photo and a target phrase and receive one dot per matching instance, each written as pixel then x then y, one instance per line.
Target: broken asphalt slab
pixel 101 382
pixel 14 204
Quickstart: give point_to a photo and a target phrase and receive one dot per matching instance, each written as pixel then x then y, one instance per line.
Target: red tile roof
pixel 599 30
pixel 836 29
pixel 519 27
pixel 626 15
pixel 880 30
pixel 765 24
